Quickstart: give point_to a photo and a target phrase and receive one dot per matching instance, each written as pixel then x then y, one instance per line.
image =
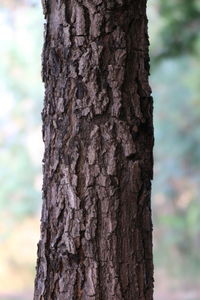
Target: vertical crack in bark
pixel 80 192
pixel 87 20
pixel 98 254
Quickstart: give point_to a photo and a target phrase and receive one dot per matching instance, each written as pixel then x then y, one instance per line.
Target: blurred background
pixel 174 27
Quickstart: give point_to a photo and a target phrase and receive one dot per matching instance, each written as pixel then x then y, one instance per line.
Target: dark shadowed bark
pixel 96 229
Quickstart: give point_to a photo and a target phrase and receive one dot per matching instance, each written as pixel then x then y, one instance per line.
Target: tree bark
pixel 96 229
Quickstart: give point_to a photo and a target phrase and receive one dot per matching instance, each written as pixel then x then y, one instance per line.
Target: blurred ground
pixel 18 252
pixel 175 83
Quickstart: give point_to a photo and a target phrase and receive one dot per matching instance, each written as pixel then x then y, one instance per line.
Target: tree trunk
pixel 96 229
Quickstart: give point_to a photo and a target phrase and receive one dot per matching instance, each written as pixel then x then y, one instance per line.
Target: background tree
pixel 97 126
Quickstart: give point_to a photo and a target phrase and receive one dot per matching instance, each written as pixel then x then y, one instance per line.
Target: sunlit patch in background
pixel 176 187
pixel 21 34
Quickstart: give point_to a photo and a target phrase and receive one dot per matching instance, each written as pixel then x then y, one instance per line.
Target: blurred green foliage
pixel 175 51
pixel 178 28
pixel 22 93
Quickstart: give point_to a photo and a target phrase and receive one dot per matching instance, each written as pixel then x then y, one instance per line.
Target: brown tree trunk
pixel 96 229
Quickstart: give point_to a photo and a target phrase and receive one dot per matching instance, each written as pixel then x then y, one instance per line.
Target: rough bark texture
pixel 96 229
